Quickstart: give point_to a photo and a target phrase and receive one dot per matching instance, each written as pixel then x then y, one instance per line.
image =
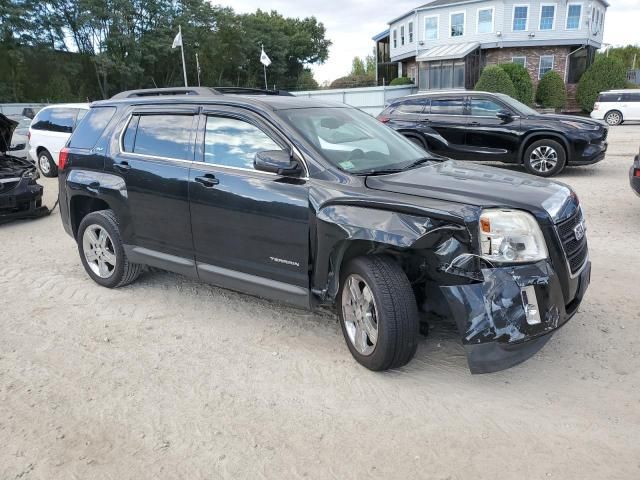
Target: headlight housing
pixel 511 236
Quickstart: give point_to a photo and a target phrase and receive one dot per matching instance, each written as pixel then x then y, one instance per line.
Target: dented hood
pixel 481 186
pixel 7 126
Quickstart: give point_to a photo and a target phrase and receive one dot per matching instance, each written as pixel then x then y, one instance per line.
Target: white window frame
pixel 555 15
pixel 520 56
pixel 394 38
pixel 566 20
pixel 553 64
pixel 410 32
pixel 464 23
pixel 403 31
pixel 513 17
pixel 493 19
pixel 437 17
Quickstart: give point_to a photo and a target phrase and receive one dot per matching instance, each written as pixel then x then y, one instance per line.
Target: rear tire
pixel 102 254
pixel 613 118
pixel 545 158
pixel 376 296
pixel 46 165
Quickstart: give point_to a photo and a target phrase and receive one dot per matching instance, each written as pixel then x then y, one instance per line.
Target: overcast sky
pixel 350 24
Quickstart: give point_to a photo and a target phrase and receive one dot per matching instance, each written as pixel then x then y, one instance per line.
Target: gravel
pixel 171 378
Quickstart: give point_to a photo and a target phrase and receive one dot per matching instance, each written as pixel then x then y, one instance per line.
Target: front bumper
pixel 22 201
pixel 497 332
pixel 593 153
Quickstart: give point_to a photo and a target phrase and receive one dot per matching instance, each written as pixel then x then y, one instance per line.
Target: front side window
pixel 447 106
pixel 547 17
pixel 485 20
pixel 483 107
pixel 410 32
pixel 232 142
pixel 402 35
pixel 546 65
pixel 431 28
pixel 457 24
pixel 520 61
pixel 159 135
pixel 520 18
pixel 574 12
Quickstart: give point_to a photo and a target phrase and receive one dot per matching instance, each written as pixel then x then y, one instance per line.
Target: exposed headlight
pixel 511 236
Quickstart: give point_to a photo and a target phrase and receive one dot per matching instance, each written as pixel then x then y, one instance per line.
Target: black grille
pixel 604 134
pixel 576 251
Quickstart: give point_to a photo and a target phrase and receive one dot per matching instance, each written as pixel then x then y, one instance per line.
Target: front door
pixel 250 228
pixel 154 158
pixel 489 137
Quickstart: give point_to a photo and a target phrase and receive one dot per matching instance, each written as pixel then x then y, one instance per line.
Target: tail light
pixel 636 172
pixel 596 106
pixel 62 159
pixel 383 119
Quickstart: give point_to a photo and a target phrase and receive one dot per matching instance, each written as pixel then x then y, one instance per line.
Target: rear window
pixel 159 135
pixel 59 120
pixel 91 127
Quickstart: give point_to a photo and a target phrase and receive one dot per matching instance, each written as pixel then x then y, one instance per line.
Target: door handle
pixel 425 120
pixel 208 180
pixel 474 124
pixel 122 167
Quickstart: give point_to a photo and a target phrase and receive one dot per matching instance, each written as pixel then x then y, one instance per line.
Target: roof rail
pixel 156 92
pixel 202 91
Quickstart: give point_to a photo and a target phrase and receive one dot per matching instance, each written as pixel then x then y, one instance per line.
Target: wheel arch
pixel 82 205
pixel 534 137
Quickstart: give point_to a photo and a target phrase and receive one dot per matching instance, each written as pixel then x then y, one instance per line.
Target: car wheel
pixel 378 313
pixel 613 118
pixel 545 158
pixel 102 253
pixel 46 165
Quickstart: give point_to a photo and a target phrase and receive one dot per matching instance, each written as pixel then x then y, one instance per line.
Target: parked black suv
pixel 468 125
pixel 315 203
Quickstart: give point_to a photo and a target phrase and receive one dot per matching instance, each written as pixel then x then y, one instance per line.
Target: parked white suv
pixel 49 132
pixel 617 106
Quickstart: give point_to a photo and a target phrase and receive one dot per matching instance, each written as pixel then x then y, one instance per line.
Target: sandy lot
pixel 171 378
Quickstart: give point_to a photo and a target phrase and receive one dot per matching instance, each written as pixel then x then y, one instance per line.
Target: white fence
pixel 369 99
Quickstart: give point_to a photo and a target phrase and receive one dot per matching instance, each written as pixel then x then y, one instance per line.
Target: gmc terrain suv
pixel 315 203
pixel 491 126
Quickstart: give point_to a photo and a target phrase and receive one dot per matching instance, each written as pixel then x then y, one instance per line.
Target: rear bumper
pixel 497 333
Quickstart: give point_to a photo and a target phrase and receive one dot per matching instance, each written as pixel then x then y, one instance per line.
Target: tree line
pixel 64 50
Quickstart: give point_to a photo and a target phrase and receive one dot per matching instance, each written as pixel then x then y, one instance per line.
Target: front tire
pixel 613 118
pixel 378 313
pixel 46 165
pixel 545 158
pixel 102 251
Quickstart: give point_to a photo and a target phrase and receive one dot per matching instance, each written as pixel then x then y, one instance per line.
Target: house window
pixel 395 38
pixel 547 17
pixel 520 61
pixel 601 20
pixel 546 65
pixel 444 75
pixel 457 24
pixel 431 28
pixel 520 17
pixel 402 35
pixel 574 12
pixel 410 32
pixel 485 20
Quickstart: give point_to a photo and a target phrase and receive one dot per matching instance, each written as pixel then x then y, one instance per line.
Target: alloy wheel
pixel 99 251
pixel 544 159
pixel 614 118
pixel 360 314
pixel 43 163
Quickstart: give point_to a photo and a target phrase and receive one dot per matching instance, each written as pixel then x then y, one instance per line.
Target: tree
pixel 626 55
pixel 606 73
pixel 306 81
pixel 521 81
pixel 401 81
pixel 495 79
pixel 551 92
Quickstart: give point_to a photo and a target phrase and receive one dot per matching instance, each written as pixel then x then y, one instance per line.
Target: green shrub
pixel 551 92
pixel 401 81
pixel 521 81
pixel 605 74
pixel 495 79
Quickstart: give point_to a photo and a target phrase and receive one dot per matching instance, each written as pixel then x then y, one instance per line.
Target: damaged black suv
pixel 314 203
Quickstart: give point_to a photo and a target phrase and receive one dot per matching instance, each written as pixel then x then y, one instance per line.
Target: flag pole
pixel 198 67
pixel 184 67
pixel 264 67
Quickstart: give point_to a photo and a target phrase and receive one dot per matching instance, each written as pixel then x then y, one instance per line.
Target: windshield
pixel 518 106
pixel 353 140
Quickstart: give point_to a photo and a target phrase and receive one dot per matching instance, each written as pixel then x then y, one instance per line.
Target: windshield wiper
pixel 388 171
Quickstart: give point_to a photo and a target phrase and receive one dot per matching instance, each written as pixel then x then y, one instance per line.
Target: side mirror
pixel 276 161
pixel 504 115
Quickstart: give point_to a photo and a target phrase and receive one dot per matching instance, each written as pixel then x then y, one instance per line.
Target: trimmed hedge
pixel 401 81
pixel 495 79
pixel 551 92
pixel 606 73
pixel 521 81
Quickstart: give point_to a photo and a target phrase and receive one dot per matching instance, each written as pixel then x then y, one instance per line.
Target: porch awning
pixel 448 52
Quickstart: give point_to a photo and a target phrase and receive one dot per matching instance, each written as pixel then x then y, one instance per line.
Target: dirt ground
pixel 171 378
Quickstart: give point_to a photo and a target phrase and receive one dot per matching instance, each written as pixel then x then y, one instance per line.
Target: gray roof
pixel 448 52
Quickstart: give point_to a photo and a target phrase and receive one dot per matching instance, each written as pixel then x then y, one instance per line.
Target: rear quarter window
pixel 91 127
pixel 609 97
pixel 61 120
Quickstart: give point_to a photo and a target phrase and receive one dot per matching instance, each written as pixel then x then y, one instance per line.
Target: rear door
pixel 155 153
pixel 250 228
pixel 631 100
pixel 489 137
pixel 446 117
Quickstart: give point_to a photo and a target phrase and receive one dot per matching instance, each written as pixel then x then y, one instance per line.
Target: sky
pixel 350 24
